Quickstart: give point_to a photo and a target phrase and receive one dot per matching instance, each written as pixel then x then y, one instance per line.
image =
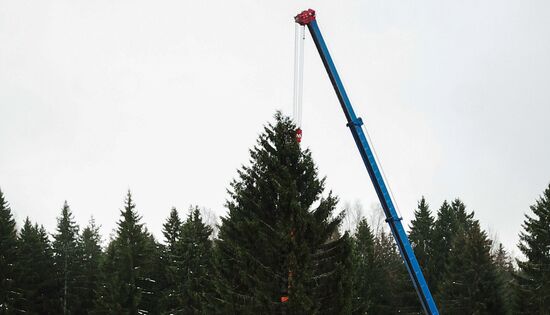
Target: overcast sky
pixel 166 97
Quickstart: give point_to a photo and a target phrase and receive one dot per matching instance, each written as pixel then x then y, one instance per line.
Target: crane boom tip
pixel 305 17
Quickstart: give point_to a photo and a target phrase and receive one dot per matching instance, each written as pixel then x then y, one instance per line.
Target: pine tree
pixel 128 287
pixel 35 285
pixel 471 284
pixel 196 265
pixel 421 237
pixel 90 273
pixel 275 249
pixel 534 243
pixel 66 260
pixel 8 257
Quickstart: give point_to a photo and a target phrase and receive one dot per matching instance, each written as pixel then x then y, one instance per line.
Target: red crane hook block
pixel 299 135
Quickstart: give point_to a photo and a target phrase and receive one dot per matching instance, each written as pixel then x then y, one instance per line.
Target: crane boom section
pixel 355 124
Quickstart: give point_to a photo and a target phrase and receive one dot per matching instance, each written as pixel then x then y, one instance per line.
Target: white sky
pixel 166 98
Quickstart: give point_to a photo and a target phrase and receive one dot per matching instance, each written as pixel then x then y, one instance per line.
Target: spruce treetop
pixel 535 245
pixel 171 229
pixel 7 223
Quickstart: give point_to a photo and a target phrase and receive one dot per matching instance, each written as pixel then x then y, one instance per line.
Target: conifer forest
pixel 281 248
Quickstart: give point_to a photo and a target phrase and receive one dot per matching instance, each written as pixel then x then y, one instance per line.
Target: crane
pixel 308 18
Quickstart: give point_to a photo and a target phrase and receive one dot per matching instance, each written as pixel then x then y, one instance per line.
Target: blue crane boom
pixel 354 123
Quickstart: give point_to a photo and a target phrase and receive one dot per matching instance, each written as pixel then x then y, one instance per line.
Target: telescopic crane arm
pixel 308 18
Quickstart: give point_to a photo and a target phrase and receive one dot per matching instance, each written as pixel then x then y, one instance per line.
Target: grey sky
pixel 166 98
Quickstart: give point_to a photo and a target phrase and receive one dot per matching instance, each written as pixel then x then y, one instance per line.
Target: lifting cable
pixel 298 78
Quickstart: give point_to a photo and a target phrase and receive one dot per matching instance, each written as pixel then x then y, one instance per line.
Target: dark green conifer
pixel 8 257
pixel 171 230
pixel 470 283
pixel 534 271
pixel 196 266
pixel 67 260
pixel 128 286
pixel 89 279
pixel 506 277
pixel 368 284
pixel 451 219
pixel 421 237
pixel 172 289
pixel 275 251
pixel 36 285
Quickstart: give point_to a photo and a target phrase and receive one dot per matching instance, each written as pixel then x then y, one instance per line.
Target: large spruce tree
pixel 89 279
pixel 421 237
pixel 276 250
pixel 196 266
pixel 36 285
pixel 534 277
pixel 470 283
pixel 67 260
pixel 506 276
pixel 128 285
pixel 380 281
pixel 451 220
pixel 172 290
pixel 8 257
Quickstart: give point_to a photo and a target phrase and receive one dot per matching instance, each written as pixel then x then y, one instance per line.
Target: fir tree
pixel 172 263
pixel 368 282
pixel 36 286
pixel 505 274
pixel 128 287
pixel 275 249
pixel 534 243
pixel 172 230
pixel 90 273
pixel 421 237
pixel 196 265
pixel 471 284
pixel 397 294
pixel 66 260
pixel 451 220
pixel 8 257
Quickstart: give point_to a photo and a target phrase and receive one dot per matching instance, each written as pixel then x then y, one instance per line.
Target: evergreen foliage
pixel 128 287
pixel 274 243
pixel 196 267
pixel 279 251
pixel 471 284
pixel 366 276
pixel 534 276
pixel 421 237
pixel 452 219
pixel 8 257
pixel 89 280
pixel 506 278
pixel 67 260
pixel 37 289
pixel 172 263
pixel 380 282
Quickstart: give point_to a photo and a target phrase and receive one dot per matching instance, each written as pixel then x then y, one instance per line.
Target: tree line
pixel 280 249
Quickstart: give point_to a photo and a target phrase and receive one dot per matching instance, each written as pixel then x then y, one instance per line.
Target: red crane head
pixel 305 17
